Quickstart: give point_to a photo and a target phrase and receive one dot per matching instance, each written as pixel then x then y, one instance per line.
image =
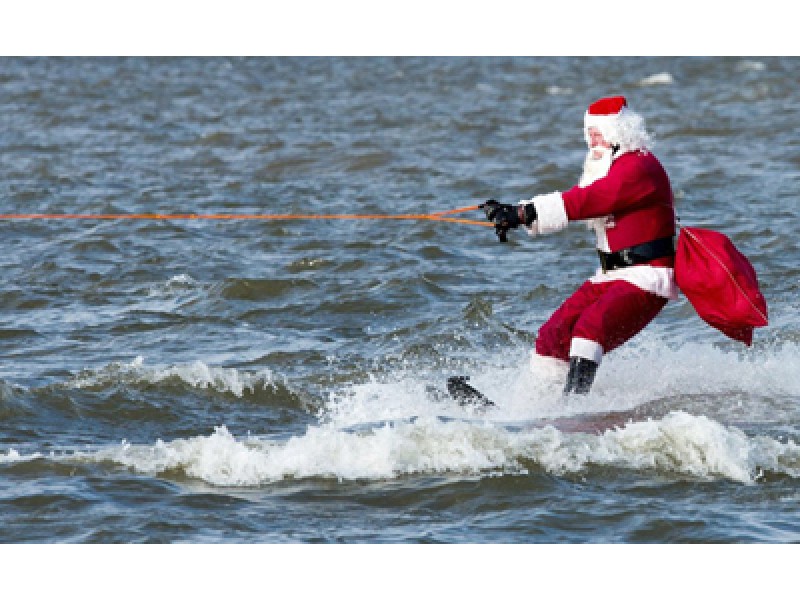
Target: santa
pixel 624 194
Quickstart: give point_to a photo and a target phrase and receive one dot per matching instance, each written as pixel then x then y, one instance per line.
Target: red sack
pixel 719 282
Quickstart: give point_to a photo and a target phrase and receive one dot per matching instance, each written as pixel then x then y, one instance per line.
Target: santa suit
pixel 631 205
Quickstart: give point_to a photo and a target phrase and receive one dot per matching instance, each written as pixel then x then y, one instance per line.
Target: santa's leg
pixel 550 360
pixel 621 311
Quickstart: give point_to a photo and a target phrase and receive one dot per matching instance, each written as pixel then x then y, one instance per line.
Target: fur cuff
pixel 551 212
pixel 588 349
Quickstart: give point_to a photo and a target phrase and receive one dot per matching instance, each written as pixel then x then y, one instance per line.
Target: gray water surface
pixel 253 381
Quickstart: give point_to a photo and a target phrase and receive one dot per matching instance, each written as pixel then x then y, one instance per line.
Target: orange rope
pixel 438 216
pixel 455 211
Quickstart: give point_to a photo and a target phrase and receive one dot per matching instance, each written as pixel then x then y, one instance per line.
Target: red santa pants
pixel 597 318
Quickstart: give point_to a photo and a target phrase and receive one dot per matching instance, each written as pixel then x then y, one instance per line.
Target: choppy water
pixel 188 381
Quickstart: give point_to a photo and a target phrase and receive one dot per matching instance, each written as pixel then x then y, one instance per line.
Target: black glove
pixel 507 216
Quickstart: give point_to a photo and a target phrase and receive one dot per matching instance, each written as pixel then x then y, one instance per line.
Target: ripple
pixel 367 162
pixel 261 289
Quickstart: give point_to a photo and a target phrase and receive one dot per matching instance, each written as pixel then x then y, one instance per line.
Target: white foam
pixel 554 90
pixel 352 441
pixel 643 371
pixel 680 445
pixel 176 284
pixel 13 456
pixel 169 296
pixel 386 452
pixel 182 279
pixel 750 65
pixel 657 79
pixel 197 374
pixel 173 289
pixel 651 369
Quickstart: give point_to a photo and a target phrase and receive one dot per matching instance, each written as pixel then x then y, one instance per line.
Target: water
pixel 241 381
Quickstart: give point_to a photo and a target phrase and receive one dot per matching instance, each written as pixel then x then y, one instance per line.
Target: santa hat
pixel 605 115
pixel 618 123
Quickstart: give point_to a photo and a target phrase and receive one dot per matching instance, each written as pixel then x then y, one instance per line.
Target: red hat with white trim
pixel 604 114
pixel 607 106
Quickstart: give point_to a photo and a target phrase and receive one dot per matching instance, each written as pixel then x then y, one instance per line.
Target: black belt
pixel 637 255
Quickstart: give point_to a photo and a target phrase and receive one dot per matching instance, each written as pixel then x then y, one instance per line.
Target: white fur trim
pixel 551 214
pixel 600 226
pixel 548 368
pixel 656 280
pixel 606 124
pixel 588 349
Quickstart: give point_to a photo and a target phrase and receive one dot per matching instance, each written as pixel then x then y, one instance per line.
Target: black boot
pixel 581 375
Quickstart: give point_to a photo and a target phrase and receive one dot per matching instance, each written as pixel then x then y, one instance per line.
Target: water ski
pixel 464 393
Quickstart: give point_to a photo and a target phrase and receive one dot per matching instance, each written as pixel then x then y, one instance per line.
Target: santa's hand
pixel 501 214
pixel 504 217
pixel 508 216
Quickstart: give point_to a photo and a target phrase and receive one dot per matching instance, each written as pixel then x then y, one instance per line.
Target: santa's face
pixel 598 158
pixel 597 143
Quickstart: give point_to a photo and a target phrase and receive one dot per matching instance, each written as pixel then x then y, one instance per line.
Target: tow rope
pixel 437 216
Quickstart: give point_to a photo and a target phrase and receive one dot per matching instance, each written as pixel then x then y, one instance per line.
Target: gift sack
pixel 719 282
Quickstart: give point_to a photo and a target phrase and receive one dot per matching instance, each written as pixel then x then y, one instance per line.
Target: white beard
pixel 596 168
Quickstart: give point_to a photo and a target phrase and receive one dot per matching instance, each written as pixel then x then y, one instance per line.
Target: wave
pixel 13 401
pixel 196 374
pixel 679 445
pixel 657 79
pixel 750 65
pixel 691 411
pixel 177 284
pixel 12 456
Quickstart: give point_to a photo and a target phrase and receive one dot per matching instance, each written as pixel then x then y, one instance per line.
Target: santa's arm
pixel 605 196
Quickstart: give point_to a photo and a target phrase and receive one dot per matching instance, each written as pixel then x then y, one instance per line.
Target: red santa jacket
pixel 636 198
pixel 631 204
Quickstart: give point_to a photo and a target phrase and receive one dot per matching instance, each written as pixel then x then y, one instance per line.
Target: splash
pixel 736 385
pixel 392 428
